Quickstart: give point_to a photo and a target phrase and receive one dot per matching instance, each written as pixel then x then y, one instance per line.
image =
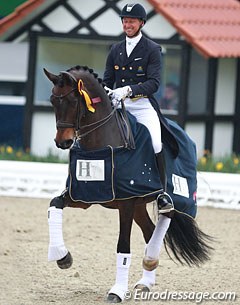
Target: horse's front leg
pixel 57 250
pixel 123 257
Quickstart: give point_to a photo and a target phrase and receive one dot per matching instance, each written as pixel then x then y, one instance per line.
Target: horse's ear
pixel 52 77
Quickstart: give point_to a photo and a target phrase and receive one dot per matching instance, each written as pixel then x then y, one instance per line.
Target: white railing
pixel 47 180
pixel 32 179
pixel 219 190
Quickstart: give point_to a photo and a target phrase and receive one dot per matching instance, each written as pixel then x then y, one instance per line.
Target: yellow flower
pixel 2 149
pixel 9 150
pixel 236 161
pixel 203 160
pixel 219 166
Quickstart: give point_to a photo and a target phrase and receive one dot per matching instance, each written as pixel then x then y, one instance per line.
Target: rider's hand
pixel 108 91
pixel 121 93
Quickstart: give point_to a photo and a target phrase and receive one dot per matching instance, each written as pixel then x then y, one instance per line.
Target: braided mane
pixel 87 69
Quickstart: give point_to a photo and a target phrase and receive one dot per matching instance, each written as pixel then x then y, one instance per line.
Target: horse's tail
pixel 187 242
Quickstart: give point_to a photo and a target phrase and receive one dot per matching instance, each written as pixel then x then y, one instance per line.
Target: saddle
pixel 125 127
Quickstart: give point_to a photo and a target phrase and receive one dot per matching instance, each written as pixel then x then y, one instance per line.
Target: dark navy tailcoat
pixel 140 71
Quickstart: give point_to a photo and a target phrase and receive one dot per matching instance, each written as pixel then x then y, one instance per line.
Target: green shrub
pixel 9 153
pixel 227 164
pixel 207 163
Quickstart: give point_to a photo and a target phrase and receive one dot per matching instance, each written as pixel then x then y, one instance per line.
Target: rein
pixel 102 121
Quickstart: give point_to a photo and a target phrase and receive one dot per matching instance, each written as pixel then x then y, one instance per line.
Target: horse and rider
pixel 86 108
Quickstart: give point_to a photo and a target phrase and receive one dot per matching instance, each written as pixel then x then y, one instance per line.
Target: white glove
pixel 108 91
pixel 121 93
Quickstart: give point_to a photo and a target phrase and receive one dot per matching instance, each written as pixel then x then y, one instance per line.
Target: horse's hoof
pixel 150 264
pixel 142 288
pixel 65 262
pixel 113 298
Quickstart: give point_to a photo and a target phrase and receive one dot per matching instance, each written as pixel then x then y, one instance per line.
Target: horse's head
pixel 73 98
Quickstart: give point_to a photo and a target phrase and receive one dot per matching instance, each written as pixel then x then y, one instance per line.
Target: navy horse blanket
pixel 108 174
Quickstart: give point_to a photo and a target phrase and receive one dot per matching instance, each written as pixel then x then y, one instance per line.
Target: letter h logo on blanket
pixel 180 186
pixel 90 170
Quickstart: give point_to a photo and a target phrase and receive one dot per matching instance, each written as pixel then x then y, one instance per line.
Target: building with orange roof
pixel 200 61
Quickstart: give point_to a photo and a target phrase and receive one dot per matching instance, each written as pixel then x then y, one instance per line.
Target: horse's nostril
pixel 64 144
pixel 68 143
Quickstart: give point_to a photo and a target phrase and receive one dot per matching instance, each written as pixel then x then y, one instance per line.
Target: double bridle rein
pixel 76 125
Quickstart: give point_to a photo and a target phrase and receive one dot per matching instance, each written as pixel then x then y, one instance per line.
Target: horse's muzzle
pixel 64 144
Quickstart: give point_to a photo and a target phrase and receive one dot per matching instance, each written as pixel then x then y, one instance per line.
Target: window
pixel 197 92
pixel 58 55
pixel 168 93
pixel 12 88
pixel 12 100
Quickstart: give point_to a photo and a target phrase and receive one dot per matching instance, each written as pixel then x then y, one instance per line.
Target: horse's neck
pixel 105 134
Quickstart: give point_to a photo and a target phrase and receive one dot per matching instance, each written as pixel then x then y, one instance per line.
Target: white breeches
pixel 146 115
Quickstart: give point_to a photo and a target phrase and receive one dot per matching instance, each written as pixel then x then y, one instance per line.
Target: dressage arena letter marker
pixel 90 170
pixel 180 186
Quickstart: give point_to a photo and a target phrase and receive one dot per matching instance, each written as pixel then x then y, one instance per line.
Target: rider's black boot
pixel 164 201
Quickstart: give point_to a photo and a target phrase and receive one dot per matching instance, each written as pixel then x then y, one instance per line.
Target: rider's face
pixel 131 26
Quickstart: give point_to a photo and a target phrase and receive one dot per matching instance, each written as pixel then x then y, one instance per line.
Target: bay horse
pixel 84 111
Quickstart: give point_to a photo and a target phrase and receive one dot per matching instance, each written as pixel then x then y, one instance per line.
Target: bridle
pixel 76 125
pixel 62 124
